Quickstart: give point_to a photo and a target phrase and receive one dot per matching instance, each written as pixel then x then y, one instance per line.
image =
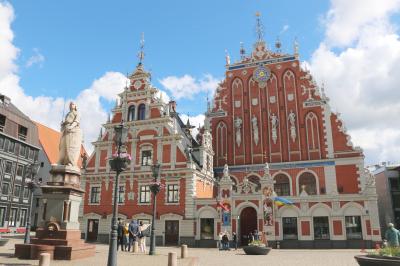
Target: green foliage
pixel 387 251
pixel 257 243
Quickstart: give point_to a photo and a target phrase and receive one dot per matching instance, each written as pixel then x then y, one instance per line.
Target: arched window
pixel 234 185
pixel 131 113
pixel 282 185
pixel 309 182
pixel 255 180
pixel 141 111
pixel 221 140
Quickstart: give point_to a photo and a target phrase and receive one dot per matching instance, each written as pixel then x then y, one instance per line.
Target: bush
pixel 387 251
pixel 257 243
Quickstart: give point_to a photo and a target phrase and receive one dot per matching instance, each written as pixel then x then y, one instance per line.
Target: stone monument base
pixel 61 245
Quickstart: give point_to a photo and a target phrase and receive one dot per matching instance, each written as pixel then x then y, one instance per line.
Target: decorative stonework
pixel 274 123
pixel 238 127
pixel 292 124
pixel 255 129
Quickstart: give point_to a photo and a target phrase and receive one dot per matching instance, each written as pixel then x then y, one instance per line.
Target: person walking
pixel 142 237
pixel 120 235
pixel 392 236
pixel 234 239
pixel 225 242
pixel 133 233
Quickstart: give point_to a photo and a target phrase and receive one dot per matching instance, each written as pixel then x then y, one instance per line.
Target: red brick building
pixel 156 133
pixel 269 109
pixel 272 131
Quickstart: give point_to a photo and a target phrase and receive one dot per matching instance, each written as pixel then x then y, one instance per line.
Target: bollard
pixel 44 259
pixel 172 259
pixel 184 251
pixel 135 247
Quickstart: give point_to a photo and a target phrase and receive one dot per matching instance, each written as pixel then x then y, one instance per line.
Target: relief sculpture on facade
pixel 274 123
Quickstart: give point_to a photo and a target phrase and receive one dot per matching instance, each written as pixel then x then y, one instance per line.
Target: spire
pixel 242 51
pixel 227 58
pixel 101 133
pixel 141 52
pixel 296 48
pixel 259 28
pixel 278 45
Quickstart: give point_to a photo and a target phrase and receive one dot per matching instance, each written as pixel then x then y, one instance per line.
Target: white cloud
pixel 49 110
pixel 197 121
pixel 188 86
pixel 37 58
pixel 362 78
pixel 284 29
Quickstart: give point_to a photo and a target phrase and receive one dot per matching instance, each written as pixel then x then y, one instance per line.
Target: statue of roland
pixel 71 138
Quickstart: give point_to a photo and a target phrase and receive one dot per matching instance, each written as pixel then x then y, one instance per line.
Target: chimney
pixel 172 106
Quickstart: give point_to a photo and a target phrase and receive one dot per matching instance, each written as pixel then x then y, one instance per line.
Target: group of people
pixel 223 241
pixel 128 233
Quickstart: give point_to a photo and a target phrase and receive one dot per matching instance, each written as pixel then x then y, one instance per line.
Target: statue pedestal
pixel 58 232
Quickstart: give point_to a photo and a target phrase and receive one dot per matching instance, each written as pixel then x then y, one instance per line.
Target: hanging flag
pixel 282 201
pixel 224 207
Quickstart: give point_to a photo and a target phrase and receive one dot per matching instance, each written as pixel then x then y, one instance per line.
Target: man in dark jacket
pixel 120 235
pixel 234 240
pixel 133 233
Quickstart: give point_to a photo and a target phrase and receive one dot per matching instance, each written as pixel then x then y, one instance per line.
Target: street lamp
pixel 118 163
pixel 155 188
pixel 32 185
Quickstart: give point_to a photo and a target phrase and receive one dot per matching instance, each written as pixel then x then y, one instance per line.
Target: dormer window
pixel 141 111
pixel 22 133
pixel 2 122
pixel 131 113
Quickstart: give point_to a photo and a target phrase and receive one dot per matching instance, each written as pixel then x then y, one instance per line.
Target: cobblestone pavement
pixel 201 257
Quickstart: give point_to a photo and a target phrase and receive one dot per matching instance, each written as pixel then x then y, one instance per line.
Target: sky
pixel 52 52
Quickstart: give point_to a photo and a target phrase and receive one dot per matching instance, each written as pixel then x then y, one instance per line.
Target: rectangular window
pixel 121 194
pixel 26 192
pixel 353 227
pixel 394 184
pixel 27 152
pixel 321 227
pixel 2 122
pixel 95 195
pixel 20 170
pixel 17 190
pixel 172 193
pixel 2 216
pixel 11 147
pixel 282 189
pixel 1 142
pixel 22 150
pixel 31 154
pixel 207 228
pixel 289 226
pixel 5 188
pixel 144 194
pixel 8 168
pixel 22 217
pixel 6 142
pixel 13 217
pixel 146 158
pixel 22 132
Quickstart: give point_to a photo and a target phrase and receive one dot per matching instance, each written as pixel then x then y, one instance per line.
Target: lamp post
pixel 155 188
pixel 118 163
pixel 32 185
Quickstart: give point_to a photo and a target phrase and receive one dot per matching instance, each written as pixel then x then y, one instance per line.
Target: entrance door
pixel 248 223
pixel 92 229
pixel 171 233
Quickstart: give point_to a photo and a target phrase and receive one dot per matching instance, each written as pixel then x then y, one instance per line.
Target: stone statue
pixel 226 171
pixel 71 138
pixel 292 121
pixel 255 129
pixel 238 126
pixel 274 123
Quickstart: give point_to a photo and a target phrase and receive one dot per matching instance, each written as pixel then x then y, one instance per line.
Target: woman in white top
pixel 142 238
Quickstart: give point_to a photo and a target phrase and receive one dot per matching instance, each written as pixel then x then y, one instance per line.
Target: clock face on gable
pixel 261 74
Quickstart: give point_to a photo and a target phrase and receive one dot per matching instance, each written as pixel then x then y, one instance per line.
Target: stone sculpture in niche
pixel 254 122
pixel 274 124
pixel 238 126
pixel 292 122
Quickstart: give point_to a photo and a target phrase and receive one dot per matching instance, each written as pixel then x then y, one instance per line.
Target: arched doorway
pixel 248 223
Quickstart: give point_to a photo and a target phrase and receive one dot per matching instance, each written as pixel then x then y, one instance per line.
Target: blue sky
pixel 55 51
pixel 81 40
